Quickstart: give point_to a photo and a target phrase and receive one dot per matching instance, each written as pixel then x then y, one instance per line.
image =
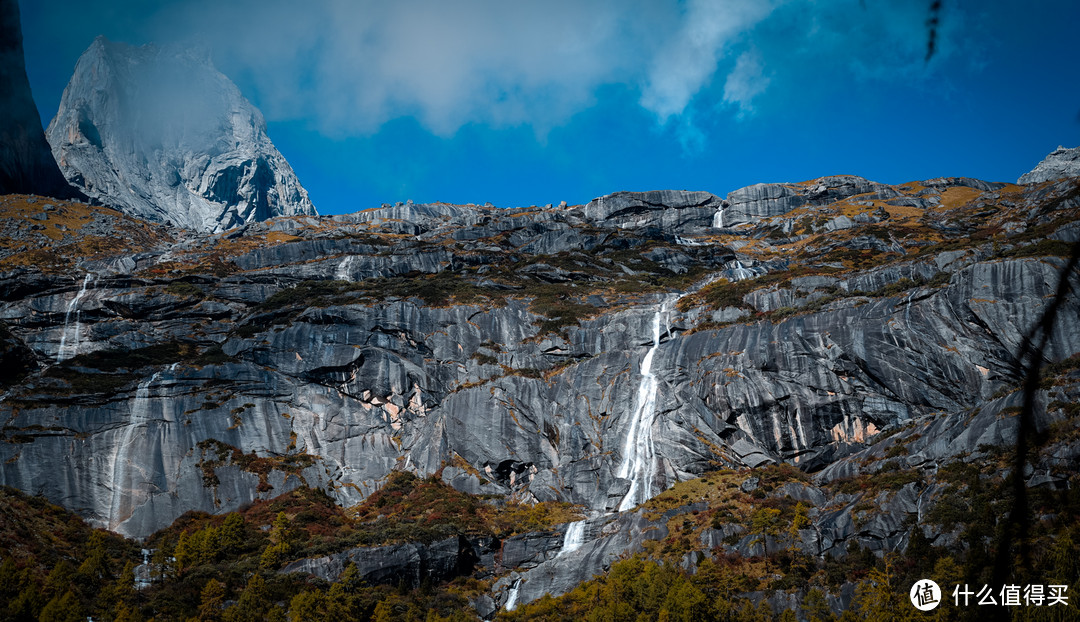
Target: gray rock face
pixel 400 563
pixel 431 338
pixel 162 135
pixel 764 200
pixel 1061 163
pixel 26 163
pixel 667 210
pixel 365 387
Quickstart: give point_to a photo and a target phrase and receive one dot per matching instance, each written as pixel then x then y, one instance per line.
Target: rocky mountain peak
pixel 1059 164
pixel 159 133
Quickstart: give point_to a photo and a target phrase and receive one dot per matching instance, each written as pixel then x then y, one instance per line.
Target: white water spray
pixel 67 351
pixel 638 453
pixel 342 273
pixel 512 596
pixel 741 272
pixel 718 219
pixel 574 538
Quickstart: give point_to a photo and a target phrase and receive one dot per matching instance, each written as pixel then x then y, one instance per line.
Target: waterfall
pixel 718 218
pixel 512 596
pixel 342 273
pixel 741 272
pixel 63 353
pixel 574 538
pixel 123 482
pixel 638 453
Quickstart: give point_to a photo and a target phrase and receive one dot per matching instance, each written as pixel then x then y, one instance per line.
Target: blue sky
pixel 537 102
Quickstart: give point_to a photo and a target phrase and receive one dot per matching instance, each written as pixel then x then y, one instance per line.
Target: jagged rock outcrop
pixel 26 162
pixel 1059 164
pixel 673 211
pixel 160 134
pixel 409 564
pixel 763 200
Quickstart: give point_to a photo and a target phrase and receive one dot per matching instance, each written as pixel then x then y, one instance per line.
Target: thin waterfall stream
pixel 574 538
pixel 67 350
pixel 638 455
pixel 718 219
pixel 123 480
pixel 512 596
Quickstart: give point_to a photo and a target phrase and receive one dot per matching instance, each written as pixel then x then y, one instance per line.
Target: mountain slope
pixel 162 135
pixel 837 342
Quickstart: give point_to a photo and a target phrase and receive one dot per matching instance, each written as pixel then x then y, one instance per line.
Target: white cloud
pixel 746 81
pixel 349 66
pixel 680 70
pixel 354 65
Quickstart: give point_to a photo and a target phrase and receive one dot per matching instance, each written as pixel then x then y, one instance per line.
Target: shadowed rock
pixel 26 163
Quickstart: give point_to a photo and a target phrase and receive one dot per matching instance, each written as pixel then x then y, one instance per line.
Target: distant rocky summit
pixel 1061 163
pixel 26 164
pixel 161 134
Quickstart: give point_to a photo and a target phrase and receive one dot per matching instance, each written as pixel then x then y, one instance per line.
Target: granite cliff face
pixel 26 163
pixel 1062 163
pixel 160 134
pixel 597 354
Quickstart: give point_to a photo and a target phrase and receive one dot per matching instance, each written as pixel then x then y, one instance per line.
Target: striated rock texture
pixel 26 163
pixel 160 134
pixel 870 331
pixel 1061 163
pixel 511 341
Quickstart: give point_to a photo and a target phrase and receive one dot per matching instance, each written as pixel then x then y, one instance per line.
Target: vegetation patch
pixel 217 454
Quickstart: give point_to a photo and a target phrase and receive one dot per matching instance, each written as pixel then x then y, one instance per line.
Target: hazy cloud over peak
pixel 349 66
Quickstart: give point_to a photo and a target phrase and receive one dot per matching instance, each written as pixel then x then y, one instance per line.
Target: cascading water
pixel 123 479
pixel 638 453
pixel 718 219
pixel 574 538
pixel 741 272
pixel 512 596
pixel 67 350
pixel 343 270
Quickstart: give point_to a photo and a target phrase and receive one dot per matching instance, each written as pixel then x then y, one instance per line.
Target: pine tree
pixel 95 566
pixel 233 534
pixel 308 606
pixel 816 607
pixel 59 579
pixel 30 599
pixel 253 603
pixel 184 553
pixel 64 608
pixel 281 543
pixel 211 601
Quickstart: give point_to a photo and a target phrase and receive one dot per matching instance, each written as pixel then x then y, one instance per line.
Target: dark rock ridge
pixel 1060 164
pixel 408 563
pixel 26 163
pixel 160 134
